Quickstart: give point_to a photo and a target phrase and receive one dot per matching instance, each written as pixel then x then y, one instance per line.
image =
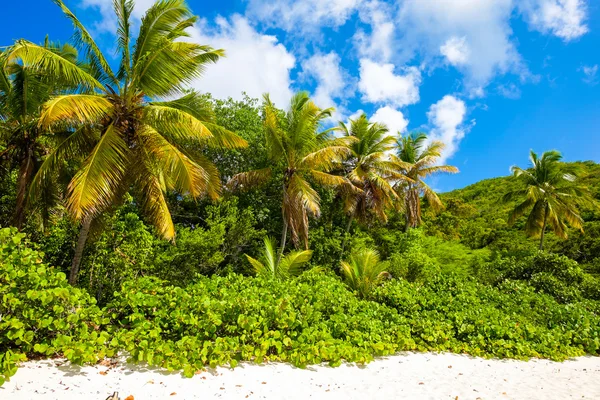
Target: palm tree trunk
pixel 544 227
pixel 78 256
pixel 283 240
pixel 347 232
pixel 25 172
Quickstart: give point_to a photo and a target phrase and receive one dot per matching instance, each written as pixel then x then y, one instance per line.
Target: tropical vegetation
pixel 137 217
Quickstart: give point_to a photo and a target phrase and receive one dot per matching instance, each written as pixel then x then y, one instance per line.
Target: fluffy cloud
pixel 378 44
pixel 473 35
pixel 562 18
pixel 394 119
pixel 379 84
pixel 447 120
pixel 255 63
pixel 590 74
pixel 330 78
pixel 302 16
pixel 456 50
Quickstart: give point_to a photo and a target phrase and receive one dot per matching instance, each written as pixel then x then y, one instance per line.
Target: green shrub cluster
pixel 450 313
pixel 225 320
pixel 555 275
pixel 40 313
pixel 314 318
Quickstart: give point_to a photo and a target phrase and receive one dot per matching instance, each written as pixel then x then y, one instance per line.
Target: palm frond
pixel 84 40
pixel 51 63
pixel 250 179
pixel 75 109
pixel 94 185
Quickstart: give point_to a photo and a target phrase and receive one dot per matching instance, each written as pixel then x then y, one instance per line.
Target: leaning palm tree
pixel 276 267
pixel 23 90
pixel 142 143
pixel 363 271
pixel 301 154
pixel 551 191
pixel 418 157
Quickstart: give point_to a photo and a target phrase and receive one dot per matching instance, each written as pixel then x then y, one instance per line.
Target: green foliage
pixel 41 314
pixel 214 245
pixel 314 318
pixel 364 271
pixel 225 320
pixel 450 313
pixel 279 266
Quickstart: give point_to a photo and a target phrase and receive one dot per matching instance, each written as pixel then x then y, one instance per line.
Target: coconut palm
pixel 301 154
pixel 23 91
pixel 279 267
pixel 363 271
pixel 551 191
pixel 142 143
pixel 370 170
pixel 418 157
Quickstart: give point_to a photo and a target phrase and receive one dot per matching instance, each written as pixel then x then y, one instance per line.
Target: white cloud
pixel 330 78
pixel 562 18
pixel 378 44
pixel 394 119
pixel 108 22
pixel 509 90
pixel 254 63
pixel 379 84
pixel 303 16
pixel 456 50
pixel 447 120
pixel 590 74
pixel 473 35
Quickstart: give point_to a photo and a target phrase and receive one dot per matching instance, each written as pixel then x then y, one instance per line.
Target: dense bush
pixel 40 314
pixel 224 320
pixel 556 275
pixel 450 313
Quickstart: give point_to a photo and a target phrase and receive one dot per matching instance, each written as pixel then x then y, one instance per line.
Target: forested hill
pixel 477 217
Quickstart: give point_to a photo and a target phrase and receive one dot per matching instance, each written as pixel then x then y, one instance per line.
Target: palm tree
pixel 142 144
pixel 418 158
pixel 23 91
pixel 279 267
pixel 301 155
pixel 363 271
pixel 370 170
pixel 551 190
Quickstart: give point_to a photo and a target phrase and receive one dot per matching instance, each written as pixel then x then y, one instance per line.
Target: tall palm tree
pixel 279 267
pixel 370 170
pixel 142 143
pixel 23 90
pixel 419 157
pixel 301 154
pixel 551 191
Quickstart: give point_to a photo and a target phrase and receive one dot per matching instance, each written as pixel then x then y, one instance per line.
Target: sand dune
pixel 403 376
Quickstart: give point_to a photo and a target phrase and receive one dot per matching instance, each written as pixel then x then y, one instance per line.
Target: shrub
pixel 363 271
pixel 273 266
pixel 41 315
pixel 413 266
pixel 225 320
pixel 453 314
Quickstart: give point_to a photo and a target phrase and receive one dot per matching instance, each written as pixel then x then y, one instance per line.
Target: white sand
pixel 403 376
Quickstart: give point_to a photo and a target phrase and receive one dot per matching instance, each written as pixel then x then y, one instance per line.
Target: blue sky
pixel 491 78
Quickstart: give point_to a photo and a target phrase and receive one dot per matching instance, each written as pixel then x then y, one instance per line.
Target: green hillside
pixel 476 216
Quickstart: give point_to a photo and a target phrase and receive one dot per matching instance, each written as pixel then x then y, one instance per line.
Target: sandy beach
pixel 403 376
